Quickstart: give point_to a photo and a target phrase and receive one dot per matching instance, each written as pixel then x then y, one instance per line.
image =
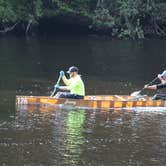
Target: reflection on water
pixel 45 135
pixel 74 137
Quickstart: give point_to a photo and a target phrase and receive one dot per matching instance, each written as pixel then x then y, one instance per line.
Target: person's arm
pixel 162 85
pixel 65 80
pixel 64 88
pixel 152 87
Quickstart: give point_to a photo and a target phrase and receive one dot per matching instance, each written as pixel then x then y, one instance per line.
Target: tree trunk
pixel 28 27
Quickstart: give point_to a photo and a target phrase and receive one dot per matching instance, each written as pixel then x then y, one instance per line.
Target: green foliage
pixel 103 19
pixel 123 18
pixel 131 13
pixel 7 11
pixel 29 9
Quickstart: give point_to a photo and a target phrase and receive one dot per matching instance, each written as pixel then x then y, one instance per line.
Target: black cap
pixel 72 69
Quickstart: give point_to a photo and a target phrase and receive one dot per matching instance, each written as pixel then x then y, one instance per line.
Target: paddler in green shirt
pixel 74 84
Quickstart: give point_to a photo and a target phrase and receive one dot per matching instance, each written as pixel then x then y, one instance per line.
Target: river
pixel 46 136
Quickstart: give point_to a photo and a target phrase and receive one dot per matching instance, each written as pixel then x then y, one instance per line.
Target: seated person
pixel 74 84
pixel 162 78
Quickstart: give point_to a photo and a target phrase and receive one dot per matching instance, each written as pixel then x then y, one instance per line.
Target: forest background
pixel 116 18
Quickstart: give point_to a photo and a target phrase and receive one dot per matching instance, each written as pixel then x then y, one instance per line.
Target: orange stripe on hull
pixel 92 101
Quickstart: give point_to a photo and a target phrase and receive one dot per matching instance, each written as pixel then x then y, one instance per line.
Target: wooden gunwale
pixel 93 101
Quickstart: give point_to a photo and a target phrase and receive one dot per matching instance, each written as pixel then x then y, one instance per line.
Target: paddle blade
pixel 136 93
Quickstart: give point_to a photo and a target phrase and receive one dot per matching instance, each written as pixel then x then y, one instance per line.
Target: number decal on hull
pixel 22 100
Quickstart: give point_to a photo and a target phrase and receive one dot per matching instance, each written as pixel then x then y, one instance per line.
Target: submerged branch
pixel 7 29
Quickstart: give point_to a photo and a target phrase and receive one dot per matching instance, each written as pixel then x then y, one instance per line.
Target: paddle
pixel 136 93
pixel 52 94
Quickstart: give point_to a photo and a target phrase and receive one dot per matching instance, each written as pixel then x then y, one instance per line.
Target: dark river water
pixel 48 136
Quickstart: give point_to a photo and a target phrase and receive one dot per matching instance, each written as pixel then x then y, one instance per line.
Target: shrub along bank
pixel 118 18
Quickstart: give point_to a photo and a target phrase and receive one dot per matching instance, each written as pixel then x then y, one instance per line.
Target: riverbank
pixel 54 26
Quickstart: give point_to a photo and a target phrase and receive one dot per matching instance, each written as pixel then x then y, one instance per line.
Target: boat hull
pixel 95 102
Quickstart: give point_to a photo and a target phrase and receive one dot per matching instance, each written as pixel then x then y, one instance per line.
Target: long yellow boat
pixel 94 102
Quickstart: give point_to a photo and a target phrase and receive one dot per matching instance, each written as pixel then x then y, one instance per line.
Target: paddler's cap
pixel 72 69
pixel 163 74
